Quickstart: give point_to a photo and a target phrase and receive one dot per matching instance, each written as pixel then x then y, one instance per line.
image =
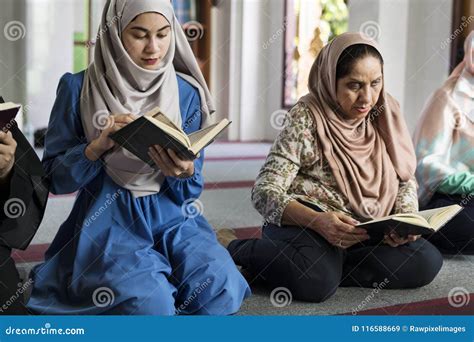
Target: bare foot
pixel 225 236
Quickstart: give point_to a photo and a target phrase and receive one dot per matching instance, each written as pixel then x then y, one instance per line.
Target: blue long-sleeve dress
pixel 117 254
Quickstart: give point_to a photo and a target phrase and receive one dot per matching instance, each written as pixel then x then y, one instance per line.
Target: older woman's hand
pixel 7 154
pixel 339 229
pixel 170 164
pixel 394 240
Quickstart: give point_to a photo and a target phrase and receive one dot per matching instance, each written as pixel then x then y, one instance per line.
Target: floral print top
pixel 295 169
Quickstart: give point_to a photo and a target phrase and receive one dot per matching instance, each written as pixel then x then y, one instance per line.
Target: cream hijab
pixel 113 83
pixel 463 93
pixel 368 157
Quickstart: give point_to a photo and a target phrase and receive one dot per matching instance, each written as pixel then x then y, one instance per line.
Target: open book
pixel 154 128
pixel 419 223
pixel 8 112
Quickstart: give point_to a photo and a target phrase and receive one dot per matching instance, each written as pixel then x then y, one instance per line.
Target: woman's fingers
pixel 347 219
pixel 394 240
pixel 177 159
pixel 389 241
pixel 156 157
pixel 165 157
pixel 6 138
pixel 347 229
pixel 347 239
pixel 185 166
pixel 124 118
pixel 399 240
pixel 351 239
pixel 7 144
pixel 348 225
pixel 166 163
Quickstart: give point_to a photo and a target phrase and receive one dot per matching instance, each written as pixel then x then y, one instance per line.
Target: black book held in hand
pixel 154 128
pixel 420 223
pixel 8 112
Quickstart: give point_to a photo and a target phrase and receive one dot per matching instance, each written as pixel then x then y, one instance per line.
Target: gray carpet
pixel 457 271
pixel 231 207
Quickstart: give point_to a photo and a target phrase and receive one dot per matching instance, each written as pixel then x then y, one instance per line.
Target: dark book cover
pixel 402 229
pixel 7 117
pixel 138 136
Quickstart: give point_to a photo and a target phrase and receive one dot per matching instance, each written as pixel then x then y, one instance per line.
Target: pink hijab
pixel 370 156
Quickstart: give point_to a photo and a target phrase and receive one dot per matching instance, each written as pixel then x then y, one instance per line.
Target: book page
pixel 179 135
pixel 163 118
pixel 202 137
pixel 8 105
pixel 412 218
pixel 198 135
pixel 440 216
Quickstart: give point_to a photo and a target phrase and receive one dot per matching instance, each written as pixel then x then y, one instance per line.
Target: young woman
pixel 444 141
pixel 130 244
pixel 345 148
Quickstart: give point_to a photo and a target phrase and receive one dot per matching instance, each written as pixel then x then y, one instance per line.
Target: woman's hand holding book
pixel 394 240
pixel 103 143
pixel 7 154
pixel 170 164
pixel 339 229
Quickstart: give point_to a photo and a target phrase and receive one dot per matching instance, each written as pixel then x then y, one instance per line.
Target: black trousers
pixel 312 269
pixel 11 297
pixel 457 236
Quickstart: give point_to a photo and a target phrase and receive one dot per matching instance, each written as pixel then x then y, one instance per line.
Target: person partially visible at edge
pixel 444 140
pixel 23 197
pixel 345 149
pixel 133 243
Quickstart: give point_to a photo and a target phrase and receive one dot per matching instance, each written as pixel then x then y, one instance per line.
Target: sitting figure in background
pixel 444 141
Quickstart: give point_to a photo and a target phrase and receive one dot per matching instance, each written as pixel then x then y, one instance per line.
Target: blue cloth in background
pixel 184 10
pixel 117 254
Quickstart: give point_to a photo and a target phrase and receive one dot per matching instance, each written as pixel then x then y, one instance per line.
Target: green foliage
pixel 335 14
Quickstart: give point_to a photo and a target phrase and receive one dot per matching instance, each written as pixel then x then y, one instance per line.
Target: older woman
pixel 444 141
pixel 345 148
pixel 128 246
